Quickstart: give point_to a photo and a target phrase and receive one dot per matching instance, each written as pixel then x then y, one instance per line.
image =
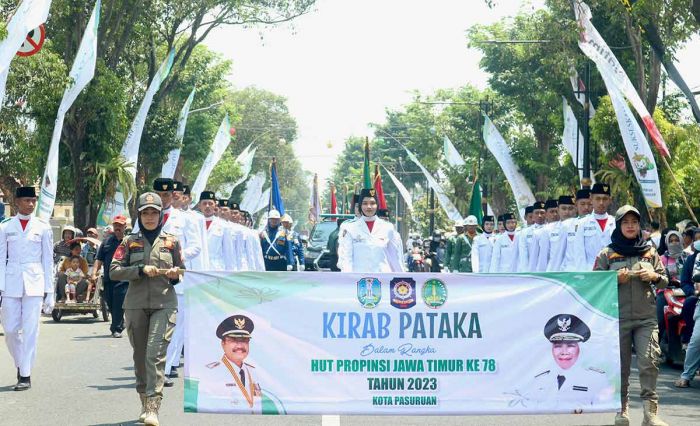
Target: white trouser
pixel 177 342
pixel 20 319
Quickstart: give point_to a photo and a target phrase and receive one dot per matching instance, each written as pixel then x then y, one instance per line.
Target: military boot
pixel 651 418
pixel 142 417
pixel 622 418
pixel 152 407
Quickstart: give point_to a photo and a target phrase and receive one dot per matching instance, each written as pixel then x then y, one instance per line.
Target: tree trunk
pixel 634 37
pixel 654 82
pixel 544 141
pixel 695 9
pixel 75 134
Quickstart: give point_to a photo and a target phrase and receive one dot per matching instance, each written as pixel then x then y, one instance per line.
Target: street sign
pixel 34 41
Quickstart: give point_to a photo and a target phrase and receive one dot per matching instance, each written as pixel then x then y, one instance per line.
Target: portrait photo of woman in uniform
pixel 369 243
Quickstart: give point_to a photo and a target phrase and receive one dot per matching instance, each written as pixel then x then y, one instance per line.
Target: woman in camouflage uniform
pixel 151 261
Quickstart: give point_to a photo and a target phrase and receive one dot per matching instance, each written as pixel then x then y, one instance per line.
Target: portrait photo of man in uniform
pixel 228 384
pixel 567 384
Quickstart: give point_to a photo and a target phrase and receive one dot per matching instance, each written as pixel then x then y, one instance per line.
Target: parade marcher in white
pixel 550 241
pixel 504 258
pixel 483 246
pixel 183 204
pixel 538 261
pixel 527 243
pixel 218 235
pixel 369 244
pixel 246 241
pixel 561 258
pixel 26 280
pixel 595 230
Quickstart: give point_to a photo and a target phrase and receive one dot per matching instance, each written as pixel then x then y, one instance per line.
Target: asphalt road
pixel 83 376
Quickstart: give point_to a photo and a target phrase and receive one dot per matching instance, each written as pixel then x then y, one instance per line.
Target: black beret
pixel 583 194
pixel 566 328
pixel 539 205
pixel 163 184
pixel 566 200
pixel 529 209
pixel 508 216
pixel 207 195
pixel 551 204
pixel 186 189
pixel 177 185
pixel 222 203
pixel 487 219
pixel 367 193
pixel 233 205
pixel 235 326
pixel 25 192
pixel 601 188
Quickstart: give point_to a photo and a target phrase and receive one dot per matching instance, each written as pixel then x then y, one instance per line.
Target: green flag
pixel 367 176
pixel 475 204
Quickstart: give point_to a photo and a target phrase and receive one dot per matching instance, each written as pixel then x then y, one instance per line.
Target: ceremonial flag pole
pixel 345 200
pixel 367 177
pixel 334 202
pixel 81 74
pixel 378 187
pixel 275 196
pixel 315 204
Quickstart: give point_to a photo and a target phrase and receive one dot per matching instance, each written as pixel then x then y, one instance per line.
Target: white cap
pixel 287 218
pixel 470 221
pixel 274 214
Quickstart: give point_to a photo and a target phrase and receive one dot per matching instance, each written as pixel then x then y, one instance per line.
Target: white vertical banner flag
pixel 168 169
pixel 245 161
pixel 449 208
pixel 130 149
pixel 216 151
pixel 638 149
pixel 500 150
pixel 253 189
pixel 263 202
pixel 81 74
pixel 451 154
pixel 27 17
pixel 572 138
pixel 402 189
pixel 593 45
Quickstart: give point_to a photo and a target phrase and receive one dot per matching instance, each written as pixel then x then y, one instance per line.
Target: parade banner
pixel 27 17
pixel 130 149
pixel 594 46
pixel 572 138
pixel 451 154
pixel 253 189
pixel 402 189
pixel 216 151
pixel 401 344
pixel 81 74
pixel 500 150
pixel 638 150
pixel 245 161
pixel 168 169
pixel 449 208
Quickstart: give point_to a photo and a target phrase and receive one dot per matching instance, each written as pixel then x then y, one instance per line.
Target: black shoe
pixel 173 374
pixel 117 335
pixel 23 384
pixel 168 383
pixel 18 376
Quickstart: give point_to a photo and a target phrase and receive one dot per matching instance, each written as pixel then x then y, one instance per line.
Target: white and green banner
pixel 168 169
pixel 81 74
pixel 404 344
pixel 216 151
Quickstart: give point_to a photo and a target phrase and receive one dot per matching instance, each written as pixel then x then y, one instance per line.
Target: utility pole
pixel 586 182
pixel 432 211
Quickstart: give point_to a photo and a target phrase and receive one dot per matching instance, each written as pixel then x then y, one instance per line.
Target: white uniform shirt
pixel 548 237
pixel 561 258
pixel 360 250
pixel 219 244
pixel 219 391
pixel 482 250
pixel 29 254
pixel 526 247
pixel 590 240
pixel 504 258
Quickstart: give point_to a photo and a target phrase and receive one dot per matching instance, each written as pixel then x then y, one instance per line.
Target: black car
pixel 316 255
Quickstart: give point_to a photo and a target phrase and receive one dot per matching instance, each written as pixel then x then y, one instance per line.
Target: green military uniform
pixel 638 324
pixel 449 250
pixel 461 260
pixel 150 305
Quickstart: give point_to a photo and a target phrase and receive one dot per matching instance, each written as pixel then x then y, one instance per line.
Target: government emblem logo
pixel 403 293
pixel 369 292
pixel 434 293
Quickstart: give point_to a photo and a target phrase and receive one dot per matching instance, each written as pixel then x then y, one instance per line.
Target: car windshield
pixel 322 231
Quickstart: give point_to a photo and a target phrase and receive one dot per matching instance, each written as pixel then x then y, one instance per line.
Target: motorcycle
pixel 671 345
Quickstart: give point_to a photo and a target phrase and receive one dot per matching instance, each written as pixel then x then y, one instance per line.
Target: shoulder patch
pixel 596 370
pixel 613 255
pixel 543 373
pixel 213 364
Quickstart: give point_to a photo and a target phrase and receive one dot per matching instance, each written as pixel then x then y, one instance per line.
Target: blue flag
pixel 275 196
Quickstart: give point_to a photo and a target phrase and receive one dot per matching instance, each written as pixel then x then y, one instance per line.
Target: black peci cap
pixel 487 219
pixel 222 203
pixel 508 216
pixel 601 188
pixel 163 184
pixel 186 190
pixel 177 186
pixel 566 200
pixel 582 194
pixel 551 204
pixel 529 209
pixel 25 192
pixel 539 205
pixel 233 205
pixel 207 195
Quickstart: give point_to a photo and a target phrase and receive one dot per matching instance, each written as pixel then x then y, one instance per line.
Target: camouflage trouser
pixel 150 331
pixel 644 335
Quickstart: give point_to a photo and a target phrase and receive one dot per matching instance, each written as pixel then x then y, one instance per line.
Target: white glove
pixel 302 267
pixel 290 267
pixel 49 303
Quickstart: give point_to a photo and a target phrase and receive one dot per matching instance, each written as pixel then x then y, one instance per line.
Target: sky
pixel 342 65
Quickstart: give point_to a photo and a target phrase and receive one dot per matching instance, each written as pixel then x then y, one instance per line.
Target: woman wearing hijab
pixel 638 267
pixel 672 258
pixel 369 243
pixel 151 261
